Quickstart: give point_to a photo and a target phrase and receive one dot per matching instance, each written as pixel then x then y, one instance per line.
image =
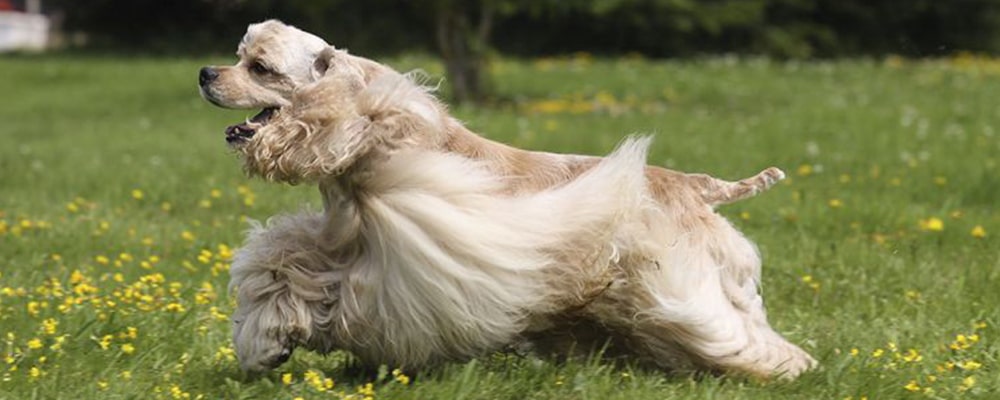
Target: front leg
pixel 283 242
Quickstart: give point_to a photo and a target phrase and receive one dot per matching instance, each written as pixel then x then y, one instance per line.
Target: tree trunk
pixel 463 49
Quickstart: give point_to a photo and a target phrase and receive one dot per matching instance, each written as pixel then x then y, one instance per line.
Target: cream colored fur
pixel 436 244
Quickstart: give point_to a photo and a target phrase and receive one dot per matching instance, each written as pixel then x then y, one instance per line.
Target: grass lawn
pixel 120 206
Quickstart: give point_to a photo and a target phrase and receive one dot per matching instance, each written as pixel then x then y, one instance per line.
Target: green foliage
pixel 782 28
pixel 880 250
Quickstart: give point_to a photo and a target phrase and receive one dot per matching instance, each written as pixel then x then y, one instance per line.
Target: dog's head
pixel 353 111
pixel 275 61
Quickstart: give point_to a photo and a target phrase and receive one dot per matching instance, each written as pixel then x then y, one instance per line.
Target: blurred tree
pixel 462 31
pixel 465 33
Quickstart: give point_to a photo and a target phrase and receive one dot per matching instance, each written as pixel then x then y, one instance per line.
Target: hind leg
pixel 706 333
pixel 699 301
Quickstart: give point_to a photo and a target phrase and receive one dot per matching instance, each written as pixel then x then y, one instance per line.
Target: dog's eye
pixel 259 68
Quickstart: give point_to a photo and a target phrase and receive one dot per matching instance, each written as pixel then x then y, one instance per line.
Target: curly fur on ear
pixel 338 121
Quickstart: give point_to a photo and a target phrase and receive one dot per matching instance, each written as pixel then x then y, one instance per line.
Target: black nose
pixel 207 75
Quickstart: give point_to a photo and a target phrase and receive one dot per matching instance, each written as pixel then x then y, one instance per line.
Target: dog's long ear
pixel 322 63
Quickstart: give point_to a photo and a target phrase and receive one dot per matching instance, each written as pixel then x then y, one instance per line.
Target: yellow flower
pixel 35 344
pixel 128 348
pixel 912 355
pixel 72 207
pixel 812 283
pixel 315 380
pixel 49 326
pixel 101 260
pixel 177 393
pixel 933 224
pixel 805 170
pixel 137 194
pixel 225 253
pixel 126 375
pixel 912 386
pixel 970 365
pixel 854 352
pixel 102 385
pixel 34 372
pixel 215 193
pixel 175 307
pixel 205 257
pixel 836 203
pixel 104 342
pixel 286 378
pixel 978 232
pixel 400 377
pixel 225 353
pixel 878 353
pixel 962 342
pixel 187 235
pixel 967 383
pixel 367 389
pixel 33 308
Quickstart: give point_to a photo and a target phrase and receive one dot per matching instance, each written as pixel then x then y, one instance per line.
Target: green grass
pixel 119 203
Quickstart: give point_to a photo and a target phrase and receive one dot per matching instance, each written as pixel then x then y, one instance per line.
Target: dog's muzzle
pixel 240 133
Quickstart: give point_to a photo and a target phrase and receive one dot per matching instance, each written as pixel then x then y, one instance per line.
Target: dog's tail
pixel 717 192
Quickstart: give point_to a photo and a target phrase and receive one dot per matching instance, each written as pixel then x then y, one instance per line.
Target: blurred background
pixel 120 205
pixel 465 33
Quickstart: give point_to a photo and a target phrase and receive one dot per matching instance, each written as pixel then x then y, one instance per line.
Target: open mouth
pixel 240 133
